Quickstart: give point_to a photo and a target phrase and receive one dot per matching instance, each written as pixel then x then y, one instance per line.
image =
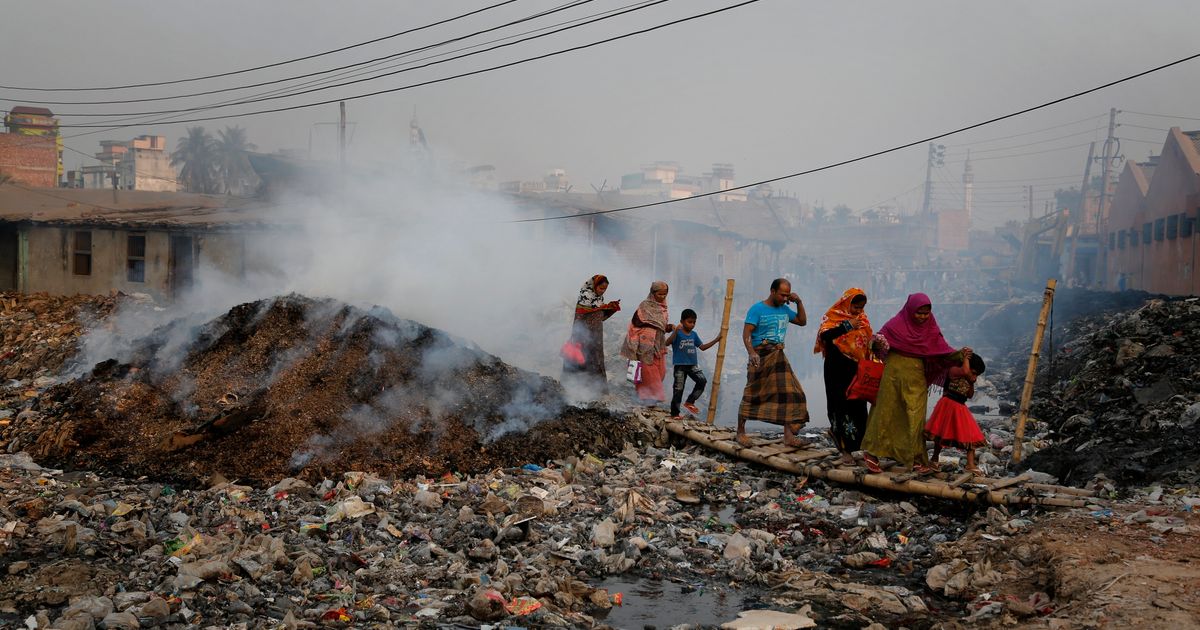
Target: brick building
pixel 1150 231
pixel 31 150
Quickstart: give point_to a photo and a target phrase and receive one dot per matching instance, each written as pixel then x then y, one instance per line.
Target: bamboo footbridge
pixel 825 463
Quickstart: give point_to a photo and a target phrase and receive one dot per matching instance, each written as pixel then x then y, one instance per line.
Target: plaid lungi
pixel 773 393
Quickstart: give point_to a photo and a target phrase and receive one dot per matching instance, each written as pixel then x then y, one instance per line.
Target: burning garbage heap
pixel 1121 397
pixel 39 331
pixel 294 386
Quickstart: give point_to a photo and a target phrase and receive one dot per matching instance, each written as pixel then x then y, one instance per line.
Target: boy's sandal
pixel 974 470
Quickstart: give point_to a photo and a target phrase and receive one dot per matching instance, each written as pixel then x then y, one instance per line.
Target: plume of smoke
pixel 445 257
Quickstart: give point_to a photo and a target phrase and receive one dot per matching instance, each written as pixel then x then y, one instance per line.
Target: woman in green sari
pixel 917 356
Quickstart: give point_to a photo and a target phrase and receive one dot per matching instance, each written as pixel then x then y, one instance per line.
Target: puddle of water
pixel 724 514
pixel 664 604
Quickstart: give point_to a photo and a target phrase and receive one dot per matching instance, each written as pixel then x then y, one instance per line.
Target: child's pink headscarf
pixel 903 333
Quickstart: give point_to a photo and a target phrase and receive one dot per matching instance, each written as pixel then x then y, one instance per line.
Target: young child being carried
pixel 952 423
pixel 684 345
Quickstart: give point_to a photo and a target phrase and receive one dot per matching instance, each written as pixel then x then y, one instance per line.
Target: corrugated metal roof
pixel 139 208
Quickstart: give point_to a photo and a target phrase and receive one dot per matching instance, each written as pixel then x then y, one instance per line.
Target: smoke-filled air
pixel 595 314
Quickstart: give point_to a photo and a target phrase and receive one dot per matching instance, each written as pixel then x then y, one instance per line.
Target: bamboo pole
pixel 881 482
pixel 716 385
pixel 1031 370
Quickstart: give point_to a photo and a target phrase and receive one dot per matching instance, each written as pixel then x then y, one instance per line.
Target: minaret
pixel 968 187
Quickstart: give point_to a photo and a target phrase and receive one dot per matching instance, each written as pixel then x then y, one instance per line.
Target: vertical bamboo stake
pixel 1031 371
pixel 716 385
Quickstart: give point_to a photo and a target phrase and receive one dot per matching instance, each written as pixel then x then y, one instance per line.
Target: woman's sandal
pixel 871 464
pixel 922 469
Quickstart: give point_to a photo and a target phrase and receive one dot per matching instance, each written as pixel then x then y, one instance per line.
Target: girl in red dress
pixel 952 423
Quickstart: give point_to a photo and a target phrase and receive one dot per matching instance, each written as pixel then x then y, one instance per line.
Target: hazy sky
pixel 773 87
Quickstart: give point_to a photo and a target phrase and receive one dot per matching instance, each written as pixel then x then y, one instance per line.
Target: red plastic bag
pixel 572 351
pixel 865 385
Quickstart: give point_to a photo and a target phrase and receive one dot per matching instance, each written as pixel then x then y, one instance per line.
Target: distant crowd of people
pixel 877 383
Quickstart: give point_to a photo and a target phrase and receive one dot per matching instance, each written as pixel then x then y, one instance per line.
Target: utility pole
pixel 342 136
pixel 937 154
pixel 1110 156
pixel 1030 188
pixel 1076 221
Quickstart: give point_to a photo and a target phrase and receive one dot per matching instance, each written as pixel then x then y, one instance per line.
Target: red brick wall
pixel 30 160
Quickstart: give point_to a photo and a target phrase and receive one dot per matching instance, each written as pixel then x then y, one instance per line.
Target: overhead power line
pixel 250 101
pixel 265 66
pixel 861 158
pixel 1160 115
pixel 1028 133
pixel 564 7
pixel 1028 144
pixel 461 75
pixel 291 90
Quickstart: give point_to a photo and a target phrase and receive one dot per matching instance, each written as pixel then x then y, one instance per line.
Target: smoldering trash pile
pixel 1121 397
pixel 40 331
pixel 306 388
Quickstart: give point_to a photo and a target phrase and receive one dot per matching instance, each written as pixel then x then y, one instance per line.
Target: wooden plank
pixel 1011 481
pixel 961 479
pixel 931 487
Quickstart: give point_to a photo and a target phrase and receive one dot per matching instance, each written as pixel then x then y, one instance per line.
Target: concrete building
pixel 1151 232
pixel 138 164
pixel 31 150
pixel 93 242
pixel 666 181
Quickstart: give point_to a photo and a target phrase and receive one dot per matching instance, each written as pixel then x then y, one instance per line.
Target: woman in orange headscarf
pixel 844 338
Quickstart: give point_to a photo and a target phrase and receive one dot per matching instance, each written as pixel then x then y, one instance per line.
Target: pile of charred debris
pixel 1120 397
pixel 305 388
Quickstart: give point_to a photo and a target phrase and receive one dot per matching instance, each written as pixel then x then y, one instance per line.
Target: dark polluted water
pixel 663 604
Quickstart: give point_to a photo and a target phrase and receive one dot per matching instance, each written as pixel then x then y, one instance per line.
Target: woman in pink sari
pixel 917 357
pixel 646 342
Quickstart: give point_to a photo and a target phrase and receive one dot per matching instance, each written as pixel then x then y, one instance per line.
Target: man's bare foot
pixel 743 439
pixel 795 442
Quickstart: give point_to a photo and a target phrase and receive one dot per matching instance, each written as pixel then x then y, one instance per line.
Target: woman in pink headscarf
pixel 646 342
pixel 917 356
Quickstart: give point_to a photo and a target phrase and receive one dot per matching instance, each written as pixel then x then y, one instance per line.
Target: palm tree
pixel 196 153
pixel 235 170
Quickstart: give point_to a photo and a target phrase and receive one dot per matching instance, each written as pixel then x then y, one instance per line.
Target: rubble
pixel 1120 397
pixel 40 331
pixel 529 543
pixel 296 387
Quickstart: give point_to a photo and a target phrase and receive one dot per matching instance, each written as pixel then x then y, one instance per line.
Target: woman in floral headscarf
pixel 583 355
pixel 917 357
pixel 646 342
pixel 844 339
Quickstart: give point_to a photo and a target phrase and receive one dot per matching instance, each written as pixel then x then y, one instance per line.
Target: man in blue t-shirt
pixel 773 393
pixel 685 356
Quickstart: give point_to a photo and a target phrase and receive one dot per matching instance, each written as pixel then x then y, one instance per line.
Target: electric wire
pixel 145 120
pixel 250 101
pixel 564 7
pixel 873 154
pixel 265 66
pixel 461 75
